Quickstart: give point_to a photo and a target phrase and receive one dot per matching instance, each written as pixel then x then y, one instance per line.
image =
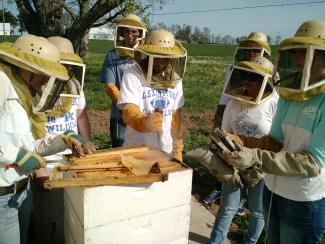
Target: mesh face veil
pixel 161 59
pixel 300 62
pixel 73 63
pixel 129 32
pixel 253 46
pixel 248 53
pixel 249 81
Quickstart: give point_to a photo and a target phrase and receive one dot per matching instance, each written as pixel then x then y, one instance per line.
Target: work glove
pixel 265 142
pixel 136 119
pixel 282 163
pixel 28 161
pixel 251 176
pixel 222 171
pixel 78 144
pixel 178 149
pixel 112 91
pixel 177 132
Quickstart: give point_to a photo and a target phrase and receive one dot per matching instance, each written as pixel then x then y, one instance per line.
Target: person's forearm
pixel 83 124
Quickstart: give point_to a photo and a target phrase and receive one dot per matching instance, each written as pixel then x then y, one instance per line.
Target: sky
pixel 275 20
pixel 278 20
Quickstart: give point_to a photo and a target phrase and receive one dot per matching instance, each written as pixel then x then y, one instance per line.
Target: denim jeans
pixel 15 211
pixel 117 130
pixel 292 221
pixel 228 208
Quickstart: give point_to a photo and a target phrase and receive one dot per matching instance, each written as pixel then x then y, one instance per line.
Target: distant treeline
pixel 190 34
pixel 215 50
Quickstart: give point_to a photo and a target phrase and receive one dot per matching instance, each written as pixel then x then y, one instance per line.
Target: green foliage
pixel 203 81
pixel 209 50
pixel 100 46
pixel 101 141
pixel 9 18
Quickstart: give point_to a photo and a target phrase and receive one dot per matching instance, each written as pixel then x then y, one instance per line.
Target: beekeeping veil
pixel 249 81
pixel 300 62
pixel 161 49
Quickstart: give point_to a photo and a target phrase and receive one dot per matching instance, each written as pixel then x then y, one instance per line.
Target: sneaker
pixel 213 196
pixel 242 207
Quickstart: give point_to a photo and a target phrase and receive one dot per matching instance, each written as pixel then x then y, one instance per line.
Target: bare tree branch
pixel 70 12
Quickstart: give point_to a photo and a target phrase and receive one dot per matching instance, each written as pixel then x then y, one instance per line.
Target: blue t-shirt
pixel 112 71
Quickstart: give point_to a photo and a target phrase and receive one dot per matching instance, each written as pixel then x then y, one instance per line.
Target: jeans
pixel 117 130
pixel 228 208
pixel 292 221
pixel 15 211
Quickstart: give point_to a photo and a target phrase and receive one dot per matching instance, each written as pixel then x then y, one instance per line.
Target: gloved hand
pixel 281 163
pixel 136 119
pixel 251 176
pixel 28 161
pixel 78 144
pixel 265 142
pixel 240 159
pixel 153 122
pixel 222 171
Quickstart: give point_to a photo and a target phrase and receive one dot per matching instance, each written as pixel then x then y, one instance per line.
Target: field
pixel 202 87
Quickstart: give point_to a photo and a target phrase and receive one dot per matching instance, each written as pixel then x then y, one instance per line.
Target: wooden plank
pixel 106 154
pixel 128 180
pixel 67 168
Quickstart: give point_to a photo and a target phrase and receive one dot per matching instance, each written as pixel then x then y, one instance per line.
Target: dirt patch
pixel 99 120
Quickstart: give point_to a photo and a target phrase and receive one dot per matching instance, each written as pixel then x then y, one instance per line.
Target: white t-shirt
pixel 58 125
pixel 15 131
pixel 148 99
pixel 248 120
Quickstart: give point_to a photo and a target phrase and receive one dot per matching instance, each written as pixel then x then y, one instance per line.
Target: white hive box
pixel 153 213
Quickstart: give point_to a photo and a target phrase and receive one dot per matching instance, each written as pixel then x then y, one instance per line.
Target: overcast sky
pixel 283 20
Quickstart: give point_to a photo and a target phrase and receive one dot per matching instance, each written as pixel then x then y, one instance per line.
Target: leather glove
pixel 28 161
pixel 178 149
pixel 265 142
pixel 112 91
pixel 78 144
pixel 136 119
pixel 177 132
pixel 251 176
pixel 222 171
pixel 281 163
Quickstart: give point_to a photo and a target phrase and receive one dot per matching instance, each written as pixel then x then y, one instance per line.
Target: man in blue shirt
pixel 128 32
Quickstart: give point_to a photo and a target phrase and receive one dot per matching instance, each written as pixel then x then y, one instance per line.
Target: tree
pixel 45 17
pixel 9 18
pixel 277 39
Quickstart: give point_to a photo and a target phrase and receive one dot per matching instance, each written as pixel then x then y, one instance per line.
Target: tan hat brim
pixel 32 63
pixel 255 67
pixel 177 50
pixel 131 23
pixel 71 57
pixel 258 42
pixel 302 41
